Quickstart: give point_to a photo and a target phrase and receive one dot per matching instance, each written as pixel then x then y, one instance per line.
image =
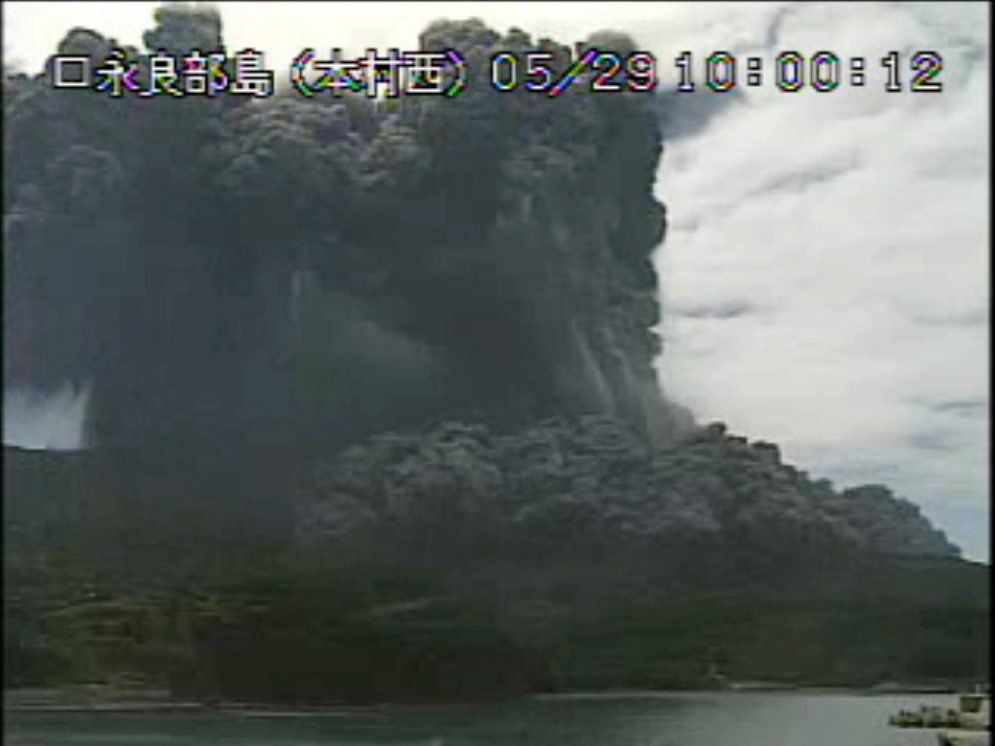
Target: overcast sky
pixel 825 274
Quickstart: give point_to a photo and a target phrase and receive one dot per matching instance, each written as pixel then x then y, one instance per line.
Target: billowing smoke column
pixel 295 271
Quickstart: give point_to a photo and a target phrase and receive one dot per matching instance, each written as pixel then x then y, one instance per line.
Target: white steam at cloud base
pixel 46 419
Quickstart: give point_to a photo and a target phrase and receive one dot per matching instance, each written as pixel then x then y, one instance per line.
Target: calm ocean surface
pixel 650 719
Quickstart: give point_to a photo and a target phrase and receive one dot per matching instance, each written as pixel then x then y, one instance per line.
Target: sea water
pixel 624 719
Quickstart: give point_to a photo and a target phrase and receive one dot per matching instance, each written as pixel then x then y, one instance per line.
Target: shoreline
pixel 118 701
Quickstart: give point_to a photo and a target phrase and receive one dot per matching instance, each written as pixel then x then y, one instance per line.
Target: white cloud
pixel 851 229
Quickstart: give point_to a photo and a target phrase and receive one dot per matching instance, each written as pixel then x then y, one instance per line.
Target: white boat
pixel 968 725
pixel 976 711
pixel 973 722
